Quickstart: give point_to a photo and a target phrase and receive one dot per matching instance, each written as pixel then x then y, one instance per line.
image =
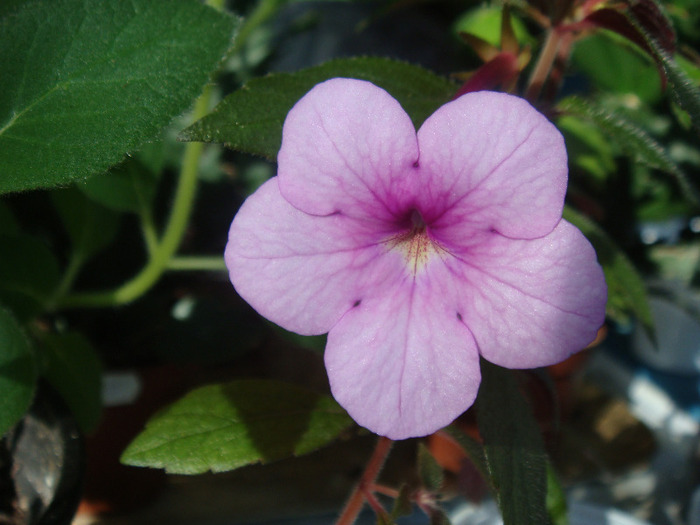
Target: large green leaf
pixel 513 447
pixel 627 293
pixel 223 427
pixel 86 81
pixel 18 372
pixel 251 118
pixel 74 369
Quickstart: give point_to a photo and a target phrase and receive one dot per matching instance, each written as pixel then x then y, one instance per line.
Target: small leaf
pixel 513 446
pixel 626 290
pixel 29 274
pixel 556 499
pixel 223 427
pixel 90 226
pixel 73 368
pixel 86 81
pixel 128 187
pixel 632 139
pixel 402 504
pixel 18 372
pixel 429 470
pixel 250 119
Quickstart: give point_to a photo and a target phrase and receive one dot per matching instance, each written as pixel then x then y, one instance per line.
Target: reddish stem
pixel 386 491
pixel 357 498
pixel 544 65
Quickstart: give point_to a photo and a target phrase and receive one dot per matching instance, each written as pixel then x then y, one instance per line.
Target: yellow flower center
pixel 415 244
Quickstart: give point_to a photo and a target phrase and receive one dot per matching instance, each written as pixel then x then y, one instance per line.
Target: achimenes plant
pixel 434 259
pixel 426 256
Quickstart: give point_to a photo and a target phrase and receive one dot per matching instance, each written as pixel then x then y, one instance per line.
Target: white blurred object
pixel 677 334
pixel 579 514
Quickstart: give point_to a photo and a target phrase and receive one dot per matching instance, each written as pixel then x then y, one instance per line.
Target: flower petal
pixel 531 303
pixel 347 146
pixel 491 161
pixel 301 271
pixel 402 363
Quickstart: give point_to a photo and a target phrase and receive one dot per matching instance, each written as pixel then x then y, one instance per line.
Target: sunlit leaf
pixel 86 81
pixel 250 119
pixel 18 372
pixel 223 427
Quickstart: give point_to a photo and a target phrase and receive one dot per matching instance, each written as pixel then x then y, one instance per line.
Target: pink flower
pixel 418 252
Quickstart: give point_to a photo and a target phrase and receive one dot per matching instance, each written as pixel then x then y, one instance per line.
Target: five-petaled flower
pixel 418 252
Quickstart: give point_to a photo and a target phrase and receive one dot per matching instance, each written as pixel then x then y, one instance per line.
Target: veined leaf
pixel 250 119
pixel 513 447
pixel 86 81
pixel 223 427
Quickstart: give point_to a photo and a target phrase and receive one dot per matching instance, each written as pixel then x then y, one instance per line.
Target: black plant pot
pixel 42 464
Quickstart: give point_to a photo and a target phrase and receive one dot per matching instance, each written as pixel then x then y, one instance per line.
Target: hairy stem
pixel 359 495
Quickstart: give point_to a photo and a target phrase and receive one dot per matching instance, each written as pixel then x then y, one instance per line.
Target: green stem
pixel 262 12
pixel 164 250
pixel 197 263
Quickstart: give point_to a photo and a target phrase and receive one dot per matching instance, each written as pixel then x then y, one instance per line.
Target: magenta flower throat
pixel 418 252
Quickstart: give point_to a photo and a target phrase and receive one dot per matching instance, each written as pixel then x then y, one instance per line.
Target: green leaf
pixel 429 470
pixel 556 499
pixel 515 456
pixel 128 187
pixel 685 92
pixel 8 222
pixel 627 293
pixel 91 227
pixel 73 368
pixel 29 274
pixel 18 372
pixel 402 504
pixel 223 427
pixel 636 143
pixel 485 22
pixel 86 81
pixel 251 118
pixel 614 65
